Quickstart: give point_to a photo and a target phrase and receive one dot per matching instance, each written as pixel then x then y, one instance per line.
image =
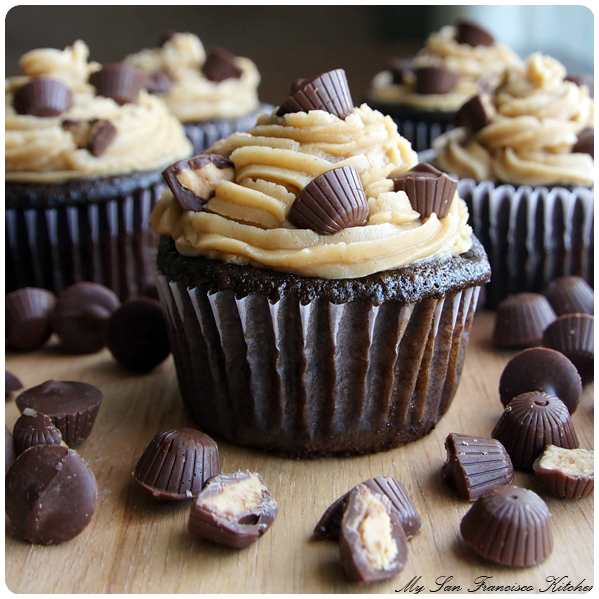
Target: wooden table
pixel 135 545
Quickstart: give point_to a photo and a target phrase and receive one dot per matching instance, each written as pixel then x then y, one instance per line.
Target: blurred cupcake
pixel 525 159
pixel 422 94
pixel 84 149
pixel 212 93
pixel 315 308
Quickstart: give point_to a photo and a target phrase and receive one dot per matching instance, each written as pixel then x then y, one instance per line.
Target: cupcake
pixel 312 309
pixel 212 93
pixel 525 159
pixel 422 94
pixel 84 151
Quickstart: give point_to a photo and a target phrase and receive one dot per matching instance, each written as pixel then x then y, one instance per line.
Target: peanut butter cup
pixel 435 80
pixel 43 97
pixel 570 295
pixel 473 34
pixel 476 113
pixel 220 65
pixel 566 473
pixel 118 81
pixel 28 314
pixel 34 428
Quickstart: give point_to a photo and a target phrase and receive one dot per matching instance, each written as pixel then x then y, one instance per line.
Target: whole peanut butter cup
pixel 476 113
pixel 28 314
pixel 570 295
pixel 34 428
pixel 44 97
pixel 566 473
pixel 435 80
pixel 118 81
pixel 333 201
pixel 473 34
pixel 510 526
pixel 220 65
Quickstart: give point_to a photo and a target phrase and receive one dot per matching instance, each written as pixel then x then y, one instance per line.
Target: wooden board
pixel 135 545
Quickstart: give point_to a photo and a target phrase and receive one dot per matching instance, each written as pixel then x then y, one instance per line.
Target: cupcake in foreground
pixel 423 94
pixel 84 149
pixel 212 93
pixel 318 302
pixel 526 163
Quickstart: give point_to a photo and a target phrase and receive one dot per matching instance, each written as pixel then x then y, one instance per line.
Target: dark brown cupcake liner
pixel 532 235
pixel 94 230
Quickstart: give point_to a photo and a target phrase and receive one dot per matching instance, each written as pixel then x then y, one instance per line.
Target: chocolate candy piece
pixel 372 542
pixel 158 83
pixel 10 454
pixel 176 464
pixel 585 143
pixel 510 526
pixel 587 79
pixel 194 180
pixel 137 336
pixel 11 383
pixel 118 81
pixel 233 509
pixel 541 369
pixel 72 406
pixel 50 494
pixel 435 80
pixel 34 428
pixel 298 84
pixel 43 96
pixel 94 136
pixel 28 314
pixel 521 319
pixel 398 68
pixel 328 92
pixel 475 464
pixel 329 525
pixel 220 65
pixel 476 113
pixel 473 34
pixel 531 421
pixel 570 295
pixel 566 473
pixel 429 190
pixel 81 317
pixel 573 336
pixel 333 201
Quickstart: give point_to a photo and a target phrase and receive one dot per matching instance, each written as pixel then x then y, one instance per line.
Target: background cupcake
pixel 212 93
pixel 84 150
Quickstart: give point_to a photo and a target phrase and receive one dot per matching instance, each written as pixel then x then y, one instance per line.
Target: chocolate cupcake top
pixel 457 50
pixel 531 136
pixel 201 84
pixel 67 118
pixel 312 194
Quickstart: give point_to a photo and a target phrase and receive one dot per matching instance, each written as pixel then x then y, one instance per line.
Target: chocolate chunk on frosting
pixel 43 96
pixel 220 65
pixel 476 113
pixel 473 34
pixel 585 143
pixel 158 83
pixel 118 81
pixel 333 201
pixel 435 80
pixel 94 136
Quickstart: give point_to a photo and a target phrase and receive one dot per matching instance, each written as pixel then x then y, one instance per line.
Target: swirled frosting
pixel 191 96
pixel 40 150
pixel 476 66
pixel 246 221
pixel 529 141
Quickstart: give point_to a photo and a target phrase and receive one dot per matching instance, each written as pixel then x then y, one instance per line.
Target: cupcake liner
pixel 531 235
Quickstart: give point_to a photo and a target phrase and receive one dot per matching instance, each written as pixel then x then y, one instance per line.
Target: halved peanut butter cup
pixel 220 65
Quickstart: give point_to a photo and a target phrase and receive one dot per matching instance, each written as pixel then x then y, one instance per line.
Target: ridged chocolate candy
pixel 72 406
pixel 573 336
pixel 529 423
pixel 541 369
pixel 28 313
pixel 333 201
pixel 476 113
pixel 473 34
pixel 585 143
pixel 50 494
pixel 118 81
pixel 10 455
pixel 372 542
pixel 177 463
pixel 329 92
pixel 11 383
pixel 566 473
pixel 329 525
pixel 570 295
pixel 233 509
pixel 44 97
pixel 220 65
pixel 435 80
pixel 34 428
pixel 475 464
pixel 429 190
pixel 510 526
pixel 521 319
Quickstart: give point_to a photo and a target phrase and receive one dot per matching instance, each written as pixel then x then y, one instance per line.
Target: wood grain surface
pixel 135 545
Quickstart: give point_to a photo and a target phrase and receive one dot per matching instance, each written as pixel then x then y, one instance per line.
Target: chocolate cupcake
pixel 311 309
pixel 526 177
pixel 423 94
pixel 84 148
pixel 212 92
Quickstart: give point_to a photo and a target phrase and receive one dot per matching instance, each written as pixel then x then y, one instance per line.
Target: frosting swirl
pixel 530 139
pixel 246 221
pixel 40 150
pixel 193 97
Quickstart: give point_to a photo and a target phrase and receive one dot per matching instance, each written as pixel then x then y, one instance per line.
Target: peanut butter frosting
pixel 476 66
pixel 192 97
pixel 40 150
pixel 246 221
pixel 529 140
